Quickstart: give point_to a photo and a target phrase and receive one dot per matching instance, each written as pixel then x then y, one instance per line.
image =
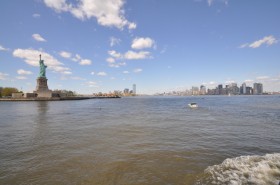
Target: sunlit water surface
pixel 141 140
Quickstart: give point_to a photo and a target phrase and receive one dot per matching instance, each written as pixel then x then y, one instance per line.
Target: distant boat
pixel 193 105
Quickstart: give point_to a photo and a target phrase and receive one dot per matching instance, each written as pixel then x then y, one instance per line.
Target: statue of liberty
pixel 42 68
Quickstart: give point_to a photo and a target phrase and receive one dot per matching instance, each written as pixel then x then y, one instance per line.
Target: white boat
pixel 192 105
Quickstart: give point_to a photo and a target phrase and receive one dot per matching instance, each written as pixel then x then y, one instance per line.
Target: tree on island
pixel 7 91
pixel 65 92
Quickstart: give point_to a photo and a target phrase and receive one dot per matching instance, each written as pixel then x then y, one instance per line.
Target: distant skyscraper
pixel 195 91
pixel 249 90
pixel 202 90
pixel 233 89
pixel 220 89
pixel 244 88
pixel 134 88
pixel 126 91
pixel 258 89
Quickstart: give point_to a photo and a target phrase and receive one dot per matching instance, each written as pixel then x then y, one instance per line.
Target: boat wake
pixel 254 170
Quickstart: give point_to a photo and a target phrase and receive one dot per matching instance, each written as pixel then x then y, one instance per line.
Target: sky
pixel 95 46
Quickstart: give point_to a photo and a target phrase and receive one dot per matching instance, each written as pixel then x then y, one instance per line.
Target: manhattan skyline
pixel 101 46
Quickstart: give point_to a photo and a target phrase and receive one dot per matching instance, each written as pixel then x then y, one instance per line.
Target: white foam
pixel 255 169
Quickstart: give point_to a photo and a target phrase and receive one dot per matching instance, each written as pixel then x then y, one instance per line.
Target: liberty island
pixel 43 93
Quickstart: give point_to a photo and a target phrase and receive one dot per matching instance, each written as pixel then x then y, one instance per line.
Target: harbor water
pixel 141 140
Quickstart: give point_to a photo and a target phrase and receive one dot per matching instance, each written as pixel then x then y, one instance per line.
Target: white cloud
pixel 131 55
pixel 243 45
pixel 85 62
pixel 76 58
pixel 249 81
pixel 122 64
pixel 102 74
pixel 132 25
pixel 210 2
pixel 3 76
pixel 262 77
pixel 114 65
pixel 125 72
pixel 67 72
pixel 77 78
pixel 3 49
pixel 92 84
pixel 229 82
pixel 114 41
pixel 110 60
pixel 114 54
pixel 38 37
pixel 58 5
pixel 117 65
pixel 23 72
pixel 140 43
pixel 65 54
pixel 107 12
pixel 137 70
pixel 275 79
pixel 31 57
pixel 36 15
pixel 211 84
pixel 268 40
pixel 92 73
pixel 21 77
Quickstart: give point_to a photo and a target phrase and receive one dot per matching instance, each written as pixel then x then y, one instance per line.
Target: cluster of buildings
pixel 125 92
pixel 230 89
pixel 128 92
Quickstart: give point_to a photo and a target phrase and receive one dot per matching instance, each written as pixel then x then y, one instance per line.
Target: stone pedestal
pixel 42 89
pixel 42 84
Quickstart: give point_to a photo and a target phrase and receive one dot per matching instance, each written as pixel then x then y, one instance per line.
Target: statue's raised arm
pixel 42 68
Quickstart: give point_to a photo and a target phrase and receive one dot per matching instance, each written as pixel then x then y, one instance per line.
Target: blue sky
pixel 159 45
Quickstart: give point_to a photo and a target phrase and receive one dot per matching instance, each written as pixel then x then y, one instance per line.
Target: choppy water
pixel 141 140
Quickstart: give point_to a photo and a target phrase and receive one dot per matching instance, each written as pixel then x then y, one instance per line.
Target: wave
pixel 253 170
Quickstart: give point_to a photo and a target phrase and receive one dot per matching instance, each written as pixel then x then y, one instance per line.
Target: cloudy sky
pixel 159 45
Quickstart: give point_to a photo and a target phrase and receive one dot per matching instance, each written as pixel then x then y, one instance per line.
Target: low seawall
pixel 57 98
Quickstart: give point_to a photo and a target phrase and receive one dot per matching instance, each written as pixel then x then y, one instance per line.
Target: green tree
pixel 7 91
pixel 1 88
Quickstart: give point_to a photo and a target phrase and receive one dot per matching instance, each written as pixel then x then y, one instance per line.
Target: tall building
pixel 134 88
pixel 195 91
pixel 233 89
pixel 202 90
pixel 243 89
pixel 249 90
pixel 258 89
pixel 126 91
pixel 220 89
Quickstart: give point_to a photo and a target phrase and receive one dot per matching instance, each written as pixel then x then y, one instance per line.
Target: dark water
pixel 142 140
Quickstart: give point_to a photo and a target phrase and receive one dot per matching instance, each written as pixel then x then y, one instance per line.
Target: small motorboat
pixel 193 105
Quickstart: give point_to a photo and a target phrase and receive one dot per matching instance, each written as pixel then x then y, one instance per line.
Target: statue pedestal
pixel 42 89
pixel 42 84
